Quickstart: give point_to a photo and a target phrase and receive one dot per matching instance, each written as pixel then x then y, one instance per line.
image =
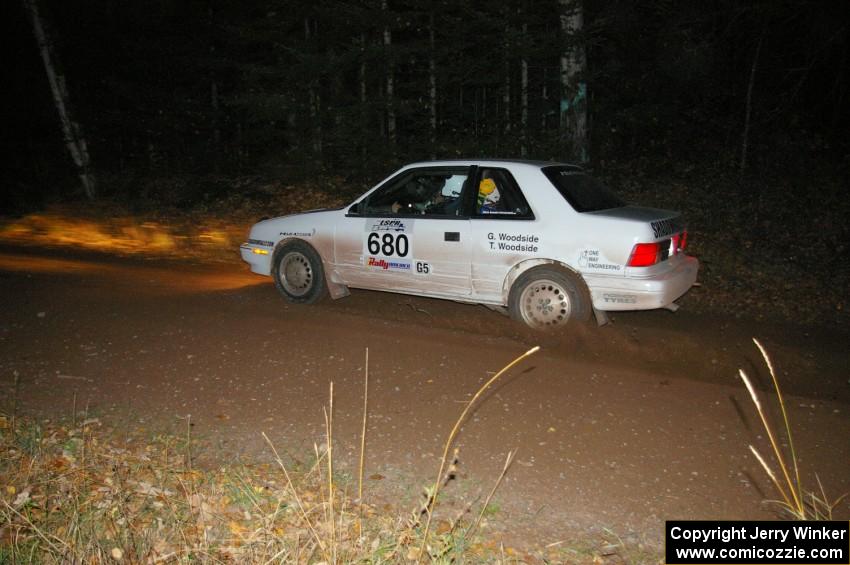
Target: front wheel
pixel 298 273
pixel 547 297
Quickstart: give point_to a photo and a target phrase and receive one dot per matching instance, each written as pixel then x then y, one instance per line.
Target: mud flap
pixel 337 290
pixel 601 317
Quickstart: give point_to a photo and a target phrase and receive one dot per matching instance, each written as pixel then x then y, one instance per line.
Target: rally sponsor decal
pixel 513 242
pixel 393 225
pixel 669 226
pixel 382 264
pixel 616 298
pixel 594 259
pixel 298 233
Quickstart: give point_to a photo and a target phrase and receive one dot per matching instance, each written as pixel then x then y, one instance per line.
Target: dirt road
pixel 617 428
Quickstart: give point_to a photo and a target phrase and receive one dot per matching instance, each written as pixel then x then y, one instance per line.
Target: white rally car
pixel 544 240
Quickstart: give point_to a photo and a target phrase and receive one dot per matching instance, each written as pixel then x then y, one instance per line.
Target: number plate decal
pixel 388 245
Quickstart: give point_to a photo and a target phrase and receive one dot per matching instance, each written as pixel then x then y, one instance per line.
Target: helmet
pixel 485 187
pixel 488 194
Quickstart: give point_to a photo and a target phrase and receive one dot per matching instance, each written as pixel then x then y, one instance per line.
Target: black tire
pixel 548 297
pixel 298 273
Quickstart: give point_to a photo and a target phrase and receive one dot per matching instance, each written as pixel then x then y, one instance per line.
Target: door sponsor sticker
pixel 513 242
pixel 594 259
pixel 382 264
pixel 390 224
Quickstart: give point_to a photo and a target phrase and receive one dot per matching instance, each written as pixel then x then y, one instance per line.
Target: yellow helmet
pixel 486 186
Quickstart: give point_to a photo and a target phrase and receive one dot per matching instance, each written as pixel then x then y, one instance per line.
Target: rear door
pixel 503 231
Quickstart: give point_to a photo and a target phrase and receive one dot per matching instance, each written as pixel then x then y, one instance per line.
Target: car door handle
pixel 452 236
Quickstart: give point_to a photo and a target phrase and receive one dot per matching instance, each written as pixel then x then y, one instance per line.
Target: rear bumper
pixel 632 293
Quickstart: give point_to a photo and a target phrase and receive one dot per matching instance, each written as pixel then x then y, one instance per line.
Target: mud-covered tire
pixel 298 273
pixel 548 297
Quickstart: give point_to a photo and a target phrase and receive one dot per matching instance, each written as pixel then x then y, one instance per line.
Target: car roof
pixel 491 162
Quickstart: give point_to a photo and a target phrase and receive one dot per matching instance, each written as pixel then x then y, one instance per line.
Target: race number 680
pixel 388 244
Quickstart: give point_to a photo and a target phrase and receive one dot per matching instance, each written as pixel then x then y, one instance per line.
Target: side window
pixel 420 192
pixel 499 196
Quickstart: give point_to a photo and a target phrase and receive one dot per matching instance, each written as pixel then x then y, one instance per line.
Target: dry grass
pixel 85 492
pixel 800 503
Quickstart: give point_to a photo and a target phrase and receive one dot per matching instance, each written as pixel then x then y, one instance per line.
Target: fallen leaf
pixel 22 498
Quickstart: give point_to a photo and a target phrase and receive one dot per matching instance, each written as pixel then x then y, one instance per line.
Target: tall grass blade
pixel 436 489
pixel 774 444
pixel 785 419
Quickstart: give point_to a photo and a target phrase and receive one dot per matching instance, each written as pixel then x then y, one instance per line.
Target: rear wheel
pixel 298 273
pixel 548 297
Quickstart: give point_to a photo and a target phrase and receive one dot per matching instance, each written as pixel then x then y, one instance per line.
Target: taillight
pixel 644 254
pixel 679 241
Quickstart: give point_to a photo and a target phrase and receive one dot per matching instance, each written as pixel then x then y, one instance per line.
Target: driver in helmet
pixel 488 196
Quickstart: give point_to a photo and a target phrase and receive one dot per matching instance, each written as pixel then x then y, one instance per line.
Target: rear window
pixel 582 191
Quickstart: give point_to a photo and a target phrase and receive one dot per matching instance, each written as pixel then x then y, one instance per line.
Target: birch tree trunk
pixel 573 110
pixel 390 86
pixel 71 130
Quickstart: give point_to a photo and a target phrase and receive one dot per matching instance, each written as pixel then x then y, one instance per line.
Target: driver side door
pixel 409 235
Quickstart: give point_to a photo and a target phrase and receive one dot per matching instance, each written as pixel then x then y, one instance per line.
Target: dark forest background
pixel 166 87
pixel 735 112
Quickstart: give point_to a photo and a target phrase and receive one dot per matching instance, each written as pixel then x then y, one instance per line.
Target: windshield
pixel 583 192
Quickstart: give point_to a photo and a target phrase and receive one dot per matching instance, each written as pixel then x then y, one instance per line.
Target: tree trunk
pixel 390 86
pixel 432 86
pixel 544 96
pixel 573 111
pixel 216 140
pixel 745 137
pixel 71 130
pixel 214 101
pixel 506 92
pixel 314 106
pixel 363 110
pixel 524 99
